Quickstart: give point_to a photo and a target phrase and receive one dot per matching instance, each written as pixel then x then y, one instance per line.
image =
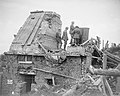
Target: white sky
pixel 101 16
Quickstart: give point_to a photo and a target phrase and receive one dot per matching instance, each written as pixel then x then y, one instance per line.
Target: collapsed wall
pixel 40 26
pixel 25 54
pixel 71 67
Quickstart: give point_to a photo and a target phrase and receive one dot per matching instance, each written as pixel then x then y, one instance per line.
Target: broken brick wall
pixel 71 67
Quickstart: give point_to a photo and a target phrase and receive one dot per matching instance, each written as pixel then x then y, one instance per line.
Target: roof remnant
pixel 40 25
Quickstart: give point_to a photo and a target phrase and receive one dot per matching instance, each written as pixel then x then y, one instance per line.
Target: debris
pixel 35 65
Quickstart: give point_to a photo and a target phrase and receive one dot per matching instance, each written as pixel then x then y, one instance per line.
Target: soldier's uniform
pixel 71 32
pixel 65 37
pixel 58 39
pixel 77 35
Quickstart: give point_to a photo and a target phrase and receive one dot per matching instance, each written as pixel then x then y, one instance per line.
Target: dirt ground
pixel 48 93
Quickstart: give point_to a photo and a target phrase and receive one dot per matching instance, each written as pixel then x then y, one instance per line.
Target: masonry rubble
pixel 36 63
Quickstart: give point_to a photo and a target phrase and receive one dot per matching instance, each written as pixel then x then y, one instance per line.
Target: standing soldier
pixel 98 41
pixel 77 35
pixel 71 32
pixel 58 39
pixel 65 37
pixel 107 45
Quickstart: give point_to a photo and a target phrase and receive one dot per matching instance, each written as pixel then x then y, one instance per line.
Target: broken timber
pixel 112 57
pixel 65 76
pixel 50 72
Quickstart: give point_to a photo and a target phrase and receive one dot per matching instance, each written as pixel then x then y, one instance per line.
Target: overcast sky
pixel 101 16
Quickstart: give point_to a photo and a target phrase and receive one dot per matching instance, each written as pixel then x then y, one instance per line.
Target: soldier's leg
pixel 60 45
pixel 80 40
pixel 75 41
pixel 71 40
pixel 57 45
pixel 65 43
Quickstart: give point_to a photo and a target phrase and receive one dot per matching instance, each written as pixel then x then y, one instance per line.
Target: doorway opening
pixel 29 79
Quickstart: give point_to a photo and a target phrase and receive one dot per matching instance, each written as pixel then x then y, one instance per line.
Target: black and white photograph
pixel 59 47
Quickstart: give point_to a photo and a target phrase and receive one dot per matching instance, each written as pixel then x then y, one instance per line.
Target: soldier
pixel 71 32
pixel 58 39
pixel 98 41
pixel 65 37
pixel 107 45
pixel 77 35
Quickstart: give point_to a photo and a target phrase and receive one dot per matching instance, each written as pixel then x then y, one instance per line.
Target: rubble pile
pixel 38 66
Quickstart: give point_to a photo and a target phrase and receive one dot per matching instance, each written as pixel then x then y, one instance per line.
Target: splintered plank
pixel 61 75
pixel 30 39
pixel 104 61
pixel 28 28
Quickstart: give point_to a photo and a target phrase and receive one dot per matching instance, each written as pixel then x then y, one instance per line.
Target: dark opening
pixel 96 62
pixel 21 58
pixel 24 58
pixel 29 79
pixel 49 82
pixel 37 58
pixel 33 18
pixel 29 58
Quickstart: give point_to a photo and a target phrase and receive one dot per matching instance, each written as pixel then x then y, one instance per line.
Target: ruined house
pixel 25 54
pixel 33 57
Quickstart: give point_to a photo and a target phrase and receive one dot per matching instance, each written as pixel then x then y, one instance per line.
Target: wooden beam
pixel 82 79
pixel 112 56
pixel 50 72
pixel 96 58
pixel 111 63
pixel 112 60
pixel 104 61
pixel 34 32
pixel 106 87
